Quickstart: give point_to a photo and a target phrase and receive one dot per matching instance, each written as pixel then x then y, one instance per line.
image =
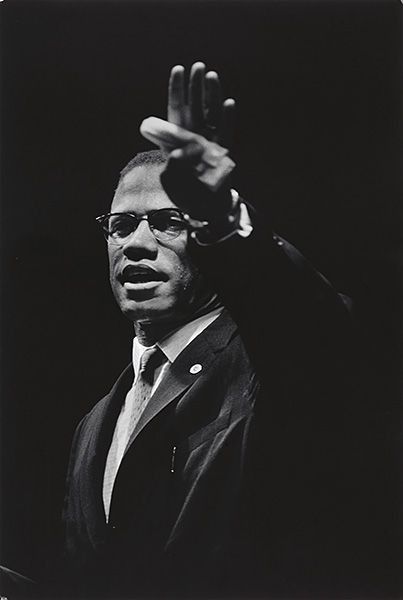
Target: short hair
pixel 151 157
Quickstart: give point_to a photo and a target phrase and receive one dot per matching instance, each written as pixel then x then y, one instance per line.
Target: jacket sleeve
pixel 274 294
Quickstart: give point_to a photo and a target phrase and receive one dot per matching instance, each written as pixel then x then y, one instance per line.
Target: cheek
pixel 185 274
pixel 113 258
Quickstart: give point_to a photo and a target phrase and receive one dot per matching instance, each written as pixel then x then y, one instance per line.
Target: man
pixel 226 468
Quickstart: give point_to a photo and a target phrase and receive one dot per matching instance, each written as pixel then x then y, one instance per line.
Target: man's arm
pixel 256 274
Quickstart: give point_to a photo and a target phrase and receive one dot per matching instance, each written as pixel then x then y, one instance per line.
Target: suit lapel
pixel 191 364
pixel 99 434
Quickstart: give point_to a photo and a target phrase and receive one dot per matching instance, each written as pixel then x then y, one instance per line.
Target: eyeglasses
pixel 166 224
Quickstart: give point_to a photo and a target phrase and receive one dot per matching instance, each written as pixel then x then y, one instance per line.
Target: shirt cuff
pixel 245 227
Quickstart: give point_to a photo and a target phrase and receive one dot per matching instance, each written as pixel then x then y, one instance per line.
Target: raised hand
pixel 197 105
pixel 196 138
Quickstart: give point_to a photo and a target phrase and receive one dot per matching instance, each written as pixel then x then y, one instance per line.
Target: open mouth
pixel 140 277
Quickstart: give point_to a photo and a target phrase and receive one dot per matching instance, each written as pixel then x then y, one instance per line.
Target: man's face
pixel 151 280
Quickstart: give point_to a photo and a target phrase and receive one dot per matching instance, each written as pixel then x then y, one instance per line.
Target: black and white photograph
pixel 201 300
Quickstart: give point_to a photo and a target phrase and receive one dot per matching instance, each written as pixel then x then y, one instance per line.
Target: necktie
pixel 143 386
pixel 139 395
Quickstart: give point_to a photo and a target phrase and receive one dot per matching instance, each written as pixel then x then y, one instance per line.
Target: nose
pixel 141 243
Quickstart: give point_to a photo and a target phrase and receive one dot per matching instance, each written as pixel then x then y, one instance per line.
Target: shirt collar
pixel 173 344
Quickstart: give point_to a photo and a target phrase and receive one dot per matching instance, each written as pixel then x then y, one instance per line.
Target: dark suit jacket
pixel 241 479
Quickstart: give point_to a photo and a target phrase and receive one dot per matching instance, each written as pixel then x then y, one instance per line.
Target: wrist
pixel 222 226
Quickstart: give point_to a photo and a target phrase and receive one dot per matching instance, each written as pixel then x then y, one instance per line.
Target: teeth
pixel 131 285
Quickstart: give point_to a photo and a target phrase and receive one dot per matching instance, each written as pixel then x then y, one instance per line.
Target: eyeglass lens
pixel 165 224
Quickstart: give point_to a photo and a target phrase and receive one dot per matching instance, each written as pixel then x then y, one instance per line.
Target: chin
pixel 147 311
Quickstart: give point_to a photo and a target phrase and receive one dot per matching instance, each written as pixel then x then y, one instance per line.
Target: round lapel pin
pixel 195 368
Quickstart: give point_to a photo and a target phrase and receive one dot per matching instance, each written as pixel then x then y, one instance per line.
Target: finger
pixel 176 96
pixel 189 154
pixel 213 99
pixel 196 96
pixel 228 123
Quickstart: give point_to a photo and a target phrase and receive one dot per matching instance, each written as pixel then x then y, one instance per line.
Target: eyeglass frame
pixel 189 223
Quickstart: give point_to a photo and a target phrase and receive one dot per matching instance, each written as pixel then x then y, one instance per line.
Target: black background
pixel 317 86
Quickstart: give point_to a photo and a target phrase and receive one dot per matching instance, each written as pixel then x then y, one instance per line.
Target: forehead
pixel 141 191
